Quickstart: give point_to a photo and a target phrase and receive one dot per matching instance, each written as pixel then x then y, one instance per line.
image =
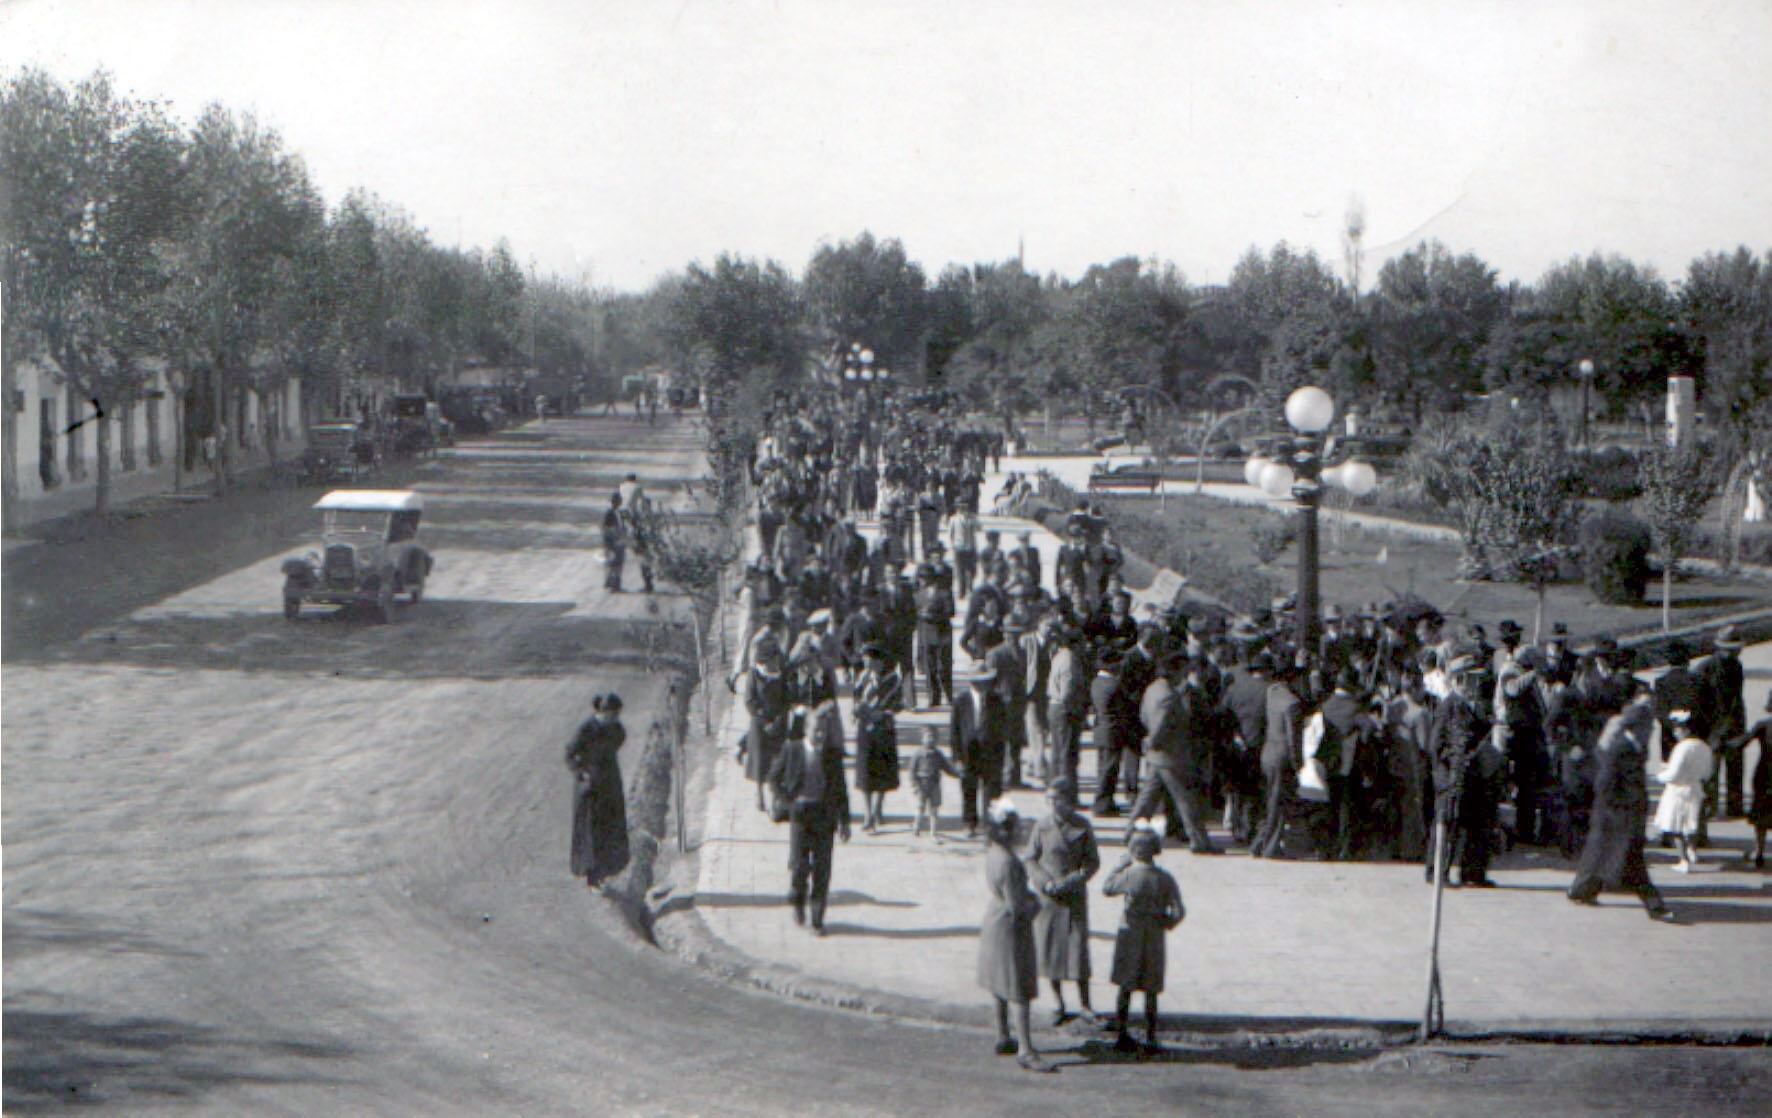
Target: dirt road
pixel 320 868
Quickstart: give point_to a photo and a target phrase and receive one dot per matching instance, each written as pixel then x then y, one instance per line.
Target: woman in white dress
pixel 1682 802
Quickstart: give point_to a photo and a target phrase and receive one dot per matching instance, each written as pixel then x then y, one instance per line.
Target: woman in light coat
pixel 1006 964
pixel 1061 858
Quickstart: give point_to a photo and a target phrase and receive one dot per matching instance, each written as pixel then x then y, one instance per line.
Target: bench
pixel 1126 482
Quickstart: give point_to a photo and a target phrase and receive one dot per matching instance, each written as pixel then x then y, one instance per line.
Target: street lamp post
pixel 1586 369
pixel 1300 471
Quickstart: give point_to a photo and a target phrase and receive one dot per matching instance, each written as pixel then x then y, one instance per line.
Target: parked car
pixel 337 450
pixel 369 553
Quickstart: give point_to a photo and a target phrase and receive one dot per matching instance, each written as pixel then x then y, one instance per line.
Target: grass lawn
pixel 1368 565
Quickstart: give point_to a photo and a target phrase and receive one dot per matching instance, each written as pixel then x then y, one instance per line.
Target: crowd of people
pixel 1358 742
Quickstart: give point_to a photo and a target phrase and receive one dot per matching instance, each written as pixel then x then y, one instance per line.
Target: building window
pixel 47 430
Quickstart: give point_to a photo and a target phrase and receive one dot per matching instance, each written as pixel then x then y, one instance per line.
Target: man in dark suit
pixel 1138 669
pixel 808 778
pixel 1463 804
pixel 976 728
pixel 1341 717
pixel 935 635
pixel 1005 660
pixel 1722 678
pixel 1030 555
pixel 1246 698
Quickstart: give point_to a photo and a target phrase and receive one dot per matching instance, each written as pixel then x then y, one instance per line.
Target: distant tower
pixel 1021 253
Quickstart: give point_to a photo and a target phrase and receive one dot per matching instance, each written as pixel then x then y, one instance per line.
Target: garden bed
pixel 1215 544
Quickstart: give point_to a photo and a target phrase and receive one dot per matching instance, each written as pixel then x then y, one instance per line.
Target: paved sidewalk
pixel 1293 941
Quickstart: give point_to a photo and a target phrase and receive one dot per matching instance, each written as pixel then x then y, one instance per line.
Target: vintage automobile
pixel 370 552
pixel 337 449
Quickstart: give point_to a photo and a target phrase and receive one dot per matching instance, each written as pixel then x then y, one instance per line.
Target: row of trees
pixel 1435 328
pixel 134 244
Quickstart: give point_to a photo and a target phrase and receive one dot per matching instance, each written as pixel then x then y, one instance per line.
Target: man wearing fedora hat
pixel 1721 681
pixel 976 727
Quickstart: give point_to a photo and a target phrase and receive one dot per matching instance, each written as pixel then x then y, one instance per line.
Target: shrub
pixel 1615 557
pixel 1610 473
pixel 1272 537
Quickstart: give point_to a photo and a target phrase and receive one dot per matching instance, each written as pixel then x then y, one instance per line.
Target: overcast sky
pixel 622 140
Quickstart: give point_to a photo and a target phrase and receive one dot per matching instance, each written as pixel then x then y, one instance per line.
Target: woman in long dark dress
pixel 1006 961
pixel 599 808
pixel 767 701
pixel 879 693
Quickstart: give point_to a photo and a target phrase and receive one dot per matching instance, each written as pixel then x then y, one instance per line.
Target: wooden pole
pixel 1433 1018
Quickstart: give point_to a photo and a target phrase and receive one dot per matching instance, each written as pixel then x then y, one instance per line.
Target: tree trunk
pixel 224 436
pixel 102 490
pixel 270 422
pixel 9 462
pixel 1734 508
pixel 1667 595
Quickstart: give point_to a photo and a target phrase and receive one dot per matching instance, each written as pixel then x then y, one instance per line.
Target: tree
pixel 1622 316
pixel 1517 494
pixel 738 325
pixel 251 205
pixel 1676 488
pixel 1006 306
pixel 88 186
pixel 1130 319
pixel 867 291
pixel 1431 316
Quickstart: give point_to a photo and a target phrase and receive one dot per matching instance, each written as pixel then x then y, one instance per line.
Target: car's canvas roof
pixel 372 500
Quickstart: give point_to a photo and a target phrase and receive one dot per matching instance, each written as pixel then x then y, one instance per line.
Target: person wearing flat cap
pixel 1153 908
pixel 976 729
pixel 599 812
pixel 1007 964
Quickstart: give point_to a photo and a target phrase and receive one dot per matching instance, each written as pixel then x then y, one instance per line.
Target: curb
pixel 665 918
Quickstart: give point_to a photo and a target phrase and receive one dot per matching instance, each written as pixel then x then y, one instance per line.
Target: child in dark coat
pixel 1153 908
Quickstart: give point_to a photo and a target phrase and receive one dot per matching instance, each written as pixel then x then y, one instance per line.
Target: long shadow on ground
pixel 56 1059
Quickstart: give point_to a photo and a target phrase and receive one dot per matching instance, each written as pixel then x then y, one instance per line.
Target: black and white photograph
pixel 883 557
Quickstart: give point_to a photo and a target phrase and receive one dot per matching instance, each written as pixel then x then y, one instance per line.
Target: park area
pixel 1238 547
